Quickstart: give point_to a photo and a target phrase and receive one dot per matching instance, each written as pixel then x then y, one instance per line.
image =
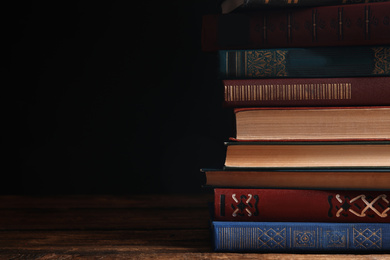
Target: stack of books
pixel 308 169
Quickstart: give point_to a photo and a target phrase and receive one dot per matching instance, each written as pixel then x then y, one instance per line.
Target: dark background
pixel 112 97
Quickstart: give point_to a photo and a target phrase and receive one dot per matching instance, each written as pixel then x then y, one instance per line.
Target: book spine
pixel 305 62
pixel 284 205
pixel 253 5
pixel 357 91
pixel 258 4
pixel 280 237
pixel 339 25
pixel 301 178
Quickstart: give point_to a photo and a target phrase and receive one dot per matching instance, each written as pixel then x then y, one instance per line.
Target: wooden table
pixel 116 227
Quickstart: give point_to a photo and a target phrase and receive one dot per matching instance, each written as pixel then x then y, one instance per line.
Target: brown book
pixel 309 179
pixel 228 6
pixel 354 91
pixel 312 123
pixel 307 154
pixel 338 25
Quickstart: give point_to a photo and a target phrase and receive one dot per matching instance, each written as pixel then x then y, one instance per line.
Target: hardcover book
pixel 312 123
pixel 353 61
pixel 340 25
pixel 300 178
pixel 356 91
pixel 300 237
pixel 307 154
pixel 228 6
pixel 284 205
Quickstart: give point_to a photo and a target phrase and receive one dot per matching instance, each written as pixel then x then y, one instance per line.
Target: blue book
pixel 350 61
pixel 300 237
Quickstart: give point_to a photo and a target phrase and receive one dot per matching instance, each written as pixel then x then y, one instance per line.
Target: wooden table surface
pixel 117 227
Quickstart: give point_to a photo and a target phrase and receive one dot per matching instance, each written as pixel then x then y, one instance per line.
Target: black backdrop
pixel 112 97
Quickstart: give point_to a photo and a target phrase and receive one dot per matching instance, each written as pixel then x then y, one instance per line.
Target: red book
pixel 359 91
pixel 339 25
pixel 283 205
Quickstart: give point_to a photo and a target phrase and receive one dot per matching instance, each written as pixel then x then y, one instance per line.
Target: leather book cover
pixel 300 237
pixel 367 178
pixel 319 62
pixel 339 25
pixel 354 91
pixel 252 5
pixel 229 6
pixel 280 205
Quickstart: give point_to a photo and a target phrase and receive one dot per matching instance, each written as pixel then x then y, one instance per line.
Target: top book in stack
pixel 338 25
pixel 228 6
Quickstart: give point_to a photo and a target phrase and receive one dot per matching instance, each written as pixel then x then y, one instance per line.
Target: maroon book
pixel 283 205
pixel 339 25
pixel 359 91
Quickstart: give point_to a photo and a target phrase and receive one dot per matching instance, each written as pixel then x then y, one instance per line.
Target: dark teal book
pixel 300 237
pixel 350 61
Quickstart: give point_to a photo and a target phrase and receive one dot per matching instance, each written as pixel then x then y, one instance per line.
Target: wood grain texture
pixel 109 227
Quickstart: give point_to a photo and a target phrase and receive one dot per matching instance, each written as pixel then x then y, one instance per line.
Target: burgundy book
pixel 339 25
pixel 359 91
pixel 284 205
pixel 228 6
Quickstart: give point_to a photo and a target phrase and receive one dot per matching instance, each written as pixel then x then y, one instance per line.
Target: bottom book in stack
pixel 300 210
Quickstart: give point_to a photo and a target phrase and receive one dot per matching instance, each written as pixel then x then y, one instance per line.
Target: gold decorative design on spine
pixel 289 27
pixel 381 60
pixel 367 14
pixel 265 28
pixel 261 92
pixel 314 17
pixel 265 63
pixel 340 16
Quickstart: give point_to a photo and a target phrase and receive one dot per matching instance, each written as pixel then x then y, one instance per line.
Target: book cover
pixel 367 178
pixel 265 92
pixel 228 6
pixel 307 154
pixel 285 205
pixel 298 237
pixel 345 25
pixel 354 61
pixel 312 123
